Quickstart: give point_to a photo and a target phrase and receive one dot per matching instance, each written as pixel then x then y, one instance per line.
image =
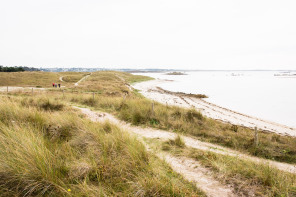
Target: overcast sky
pixel 189 34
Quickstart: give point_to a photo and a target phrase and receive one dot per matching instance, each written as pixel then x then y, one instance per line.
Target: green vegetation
pixel 17 69
pixel 55 151
pixel 178 142
pixel 247 178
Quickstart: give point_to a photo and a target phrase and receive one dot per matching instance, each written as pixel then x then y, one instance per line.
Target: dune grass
pixel 138 111
pixel 39 79
pixel 55 151
pixel 112 94
pixel 110 83
pixel 246 177
pixel 74 77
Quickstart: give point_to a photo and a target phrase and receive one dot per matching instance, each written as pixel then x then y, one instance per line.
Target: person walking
pixel 53 85
pixel 59 85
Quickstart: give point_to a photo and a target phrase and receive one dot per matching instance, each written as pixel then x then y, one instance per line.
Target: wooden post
pixel 256 140
pixel 152 108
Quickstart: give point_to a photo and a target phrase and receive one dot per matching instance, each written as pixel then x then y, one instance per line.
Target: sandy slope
pixel 149 89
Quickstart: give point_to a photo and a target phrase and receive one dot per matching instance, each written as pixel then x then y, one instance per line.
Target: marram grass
pixel 58 152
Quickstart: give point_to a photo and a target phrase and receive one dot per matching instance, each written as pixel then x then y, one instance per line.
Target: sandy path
pixel 190 142
pixel 82 79
pixel 149 89
pixel 61 78
pixel 125 83
pixel 188 168
pixel 193 171
pixel 15 88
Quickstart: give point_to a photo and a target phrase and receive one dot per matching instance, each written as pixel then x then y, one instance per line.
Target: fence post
pixel 152 108
pixel 256 140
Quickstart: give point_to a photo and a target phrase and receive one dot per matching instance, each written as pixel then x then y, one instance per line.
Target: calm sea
pixel 257 93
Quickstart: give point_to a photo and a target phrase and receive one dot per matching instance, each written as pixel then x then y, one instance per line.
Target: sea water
pixel 261 94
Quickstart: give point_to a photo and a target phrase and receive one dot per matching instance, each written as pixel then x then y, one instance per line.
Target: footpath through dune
pixel 189 141
pixel 82 79
pixel 190 169
pixel 150 90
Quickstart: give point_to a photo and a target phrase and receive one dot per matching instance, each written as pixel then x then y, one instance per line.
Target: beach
pixel 151 90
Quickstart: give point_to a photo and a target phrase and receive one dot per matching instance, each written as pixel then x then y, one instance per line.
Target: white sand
pixel 149 89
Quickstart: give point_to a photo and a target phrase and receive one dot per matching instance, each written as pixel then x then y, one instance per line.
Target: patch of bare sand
pixel 150 90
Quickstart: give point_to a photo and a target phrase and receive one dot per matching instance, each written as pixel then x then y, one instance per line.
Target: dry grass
pixel 73 77
pixel 110 83
pixel 138 111
pixel 247 178
pixel 38 79
pixel 57 152
pixel 110 88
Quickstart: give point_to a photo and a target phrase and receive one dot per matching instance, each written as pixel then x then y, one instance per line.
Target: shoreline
pixel 151 90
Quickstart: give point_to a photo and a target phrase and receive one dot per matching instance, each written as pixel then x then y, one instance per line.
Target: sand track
pixel 149 89
pixel 190 169
pixel 82 79
pixel 189 141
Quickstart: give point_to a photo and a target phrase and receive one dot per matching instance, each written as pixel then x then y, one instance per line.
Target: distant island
pixel 176 73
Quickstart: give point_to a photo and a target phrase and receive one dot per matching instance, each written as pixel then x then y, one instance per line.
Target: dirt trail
pixel 82 79
pixel 190 142
pixel 15 88
pixel 188 168
pixel 193 171
pixel 125 83
pixel 149 89
pixel 61 78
